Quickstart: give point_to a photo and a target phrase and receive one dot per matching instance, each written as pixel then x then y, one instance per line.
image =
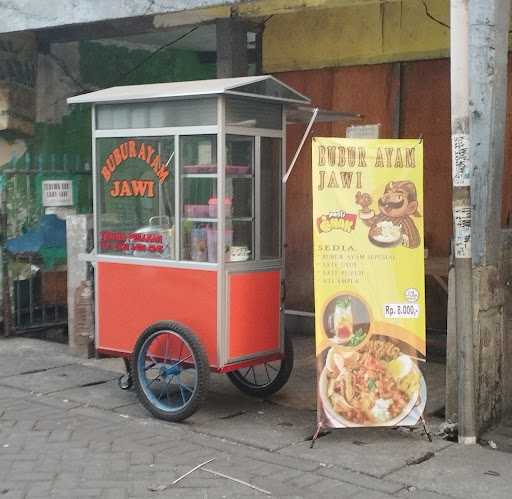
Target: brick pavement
pixel 95 441
pixel 50 448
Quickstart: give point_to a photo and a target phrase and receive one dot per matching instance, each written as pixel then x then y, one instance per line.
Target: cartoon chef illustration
pixel 393 225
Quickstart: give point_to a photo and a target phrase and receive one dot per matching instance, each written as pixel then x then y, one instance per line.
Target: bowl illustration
pixel 378 385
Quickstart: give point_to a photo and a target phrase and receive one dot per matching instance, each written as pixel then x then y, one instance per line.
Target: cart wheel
pixel 125 381
pixel 265 379
pixel 170 370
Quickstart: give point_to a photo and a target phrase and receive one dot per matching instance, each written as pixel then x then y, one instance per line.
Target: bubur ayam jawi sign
pixel 133 152
pixel 136 187
pixel 369 281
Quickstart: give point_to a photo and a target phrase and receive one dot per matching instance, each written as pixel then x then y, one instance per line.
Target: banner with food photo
pixel 369 281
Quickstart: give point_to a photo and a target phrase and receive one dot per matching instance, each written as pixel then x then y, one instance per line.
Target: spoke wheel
pixel 265 379
pixel 170 371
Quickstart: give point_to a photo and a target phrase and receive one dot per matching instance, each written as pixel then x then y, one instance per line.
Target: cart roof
pixel 263 87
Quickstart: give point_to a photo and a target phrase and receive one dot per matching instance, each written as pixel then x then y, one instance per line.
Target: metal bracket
pixel 299 149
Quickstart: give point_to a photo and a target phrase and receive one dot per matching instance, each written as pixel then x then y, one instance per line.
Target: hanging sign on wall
pixel 57 193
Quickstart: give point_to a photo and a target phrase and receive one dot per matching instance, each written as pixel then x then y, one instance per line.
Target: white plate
pixel 239 258
pixel 337 420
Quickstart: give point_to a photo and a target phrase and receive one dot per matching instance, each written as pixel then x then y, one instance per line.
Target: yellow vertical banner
pixel 369 281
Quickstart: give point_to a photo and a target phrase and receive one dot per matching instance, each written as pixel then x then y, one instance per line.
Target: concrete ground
pixel 67 430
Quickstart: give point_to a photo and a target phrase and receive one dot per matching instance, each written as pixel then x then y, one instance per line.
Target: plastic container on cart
pixel 212 207
pixel 196 210
pixel 199 245
pixel 238 169
pixel 199 168
pixel 212 242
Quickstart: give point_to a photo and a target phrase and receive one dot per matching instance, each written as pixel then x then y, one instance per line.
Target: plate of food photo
pixel 379 385
pixel 385 234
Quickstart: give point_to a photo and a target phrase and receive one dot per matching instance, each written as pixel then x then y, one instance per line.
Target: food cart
pixel 188 219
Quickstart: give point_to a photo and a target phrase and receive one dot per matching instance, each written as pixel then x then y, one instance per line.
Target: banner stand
pixel 368 253
pixel 321 429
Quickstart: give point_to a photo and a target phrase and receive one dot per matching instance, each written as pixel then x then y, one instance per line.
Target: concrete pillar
pixel 80 297
pixel 507 321
pixel 488 50
pixel 231 48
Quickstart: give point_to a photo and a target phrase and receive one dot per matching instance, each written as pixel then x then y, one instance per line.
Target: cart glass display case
pixel 189 213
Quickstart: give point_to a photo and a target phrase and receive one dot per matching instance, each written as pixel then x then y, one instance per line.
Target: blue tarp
pixel 50 232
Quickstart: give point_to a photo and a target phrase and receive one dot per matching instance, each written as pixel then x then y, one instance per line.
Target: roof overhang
pixel 246 86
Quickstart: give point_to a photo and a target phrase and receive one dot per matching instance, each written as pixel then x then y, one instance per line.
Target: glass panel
pixel 239 175
pixel 175 113
pixel 239 155
pixel 136 196
pixel 199 197
pixel 240 196
pixel 199 241
pixel 242 240
pixel 239 201
pixel 270 88
pixel 270 198
pixel 253 113
pixel 198 156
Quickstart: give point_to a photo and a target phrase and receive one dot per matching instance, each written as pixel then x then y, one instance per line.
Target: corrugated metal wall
pixel 423 109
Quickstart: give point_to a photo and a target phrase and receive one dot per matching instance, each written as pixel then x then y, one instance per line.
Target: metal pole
pixel 459 55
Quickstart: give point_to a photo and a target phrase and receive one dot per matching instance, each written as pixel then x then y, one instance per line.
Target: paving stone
pixel 40 489
pixel 414 493
pixel 104 396
pixel 327 486
pixel 8 393
pixel 19 364
pixel 462 471
pixel 256 454
pixel 305 480
pixel 58 379
pixel 11 494
pixel 361 479
pixel 115 494
pixel 141 457
pixel 34 476
pixel 23 466
pixel 370 494
pixel 390 449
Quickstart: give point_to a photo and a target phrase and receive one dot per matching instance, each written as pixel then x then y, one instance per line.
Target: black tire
pixel 201 365
pixel 245 385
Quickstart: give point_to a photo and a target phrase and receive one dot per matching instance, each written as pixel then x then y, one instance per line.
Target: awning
pixel 303 114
